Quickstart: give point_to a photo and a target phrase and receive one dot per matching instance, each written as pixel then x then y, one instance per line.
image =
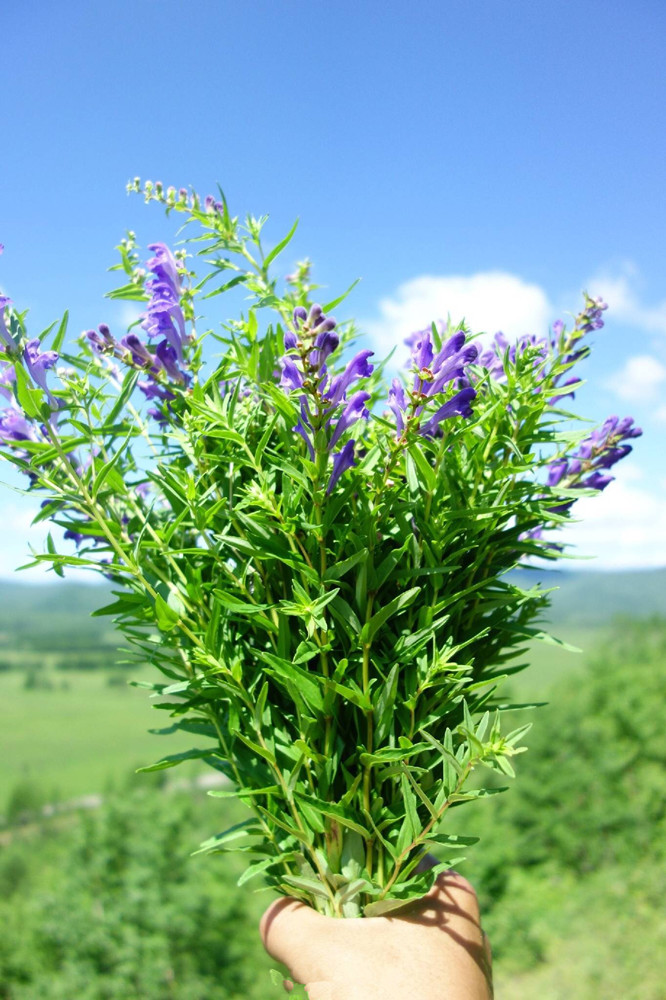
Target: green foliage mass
pixel 571 877
pixel 116 908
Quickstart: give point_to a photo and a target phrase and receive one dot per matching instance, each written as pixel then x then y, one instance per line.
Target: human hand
pixel 433 950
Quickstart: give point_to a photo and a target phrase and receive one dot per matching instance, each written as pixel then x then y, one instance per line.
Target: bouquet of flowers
pixel 315 555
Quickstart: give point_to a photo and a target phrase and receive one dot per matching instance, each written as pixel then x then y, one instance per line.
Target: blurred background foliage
pixel 100 899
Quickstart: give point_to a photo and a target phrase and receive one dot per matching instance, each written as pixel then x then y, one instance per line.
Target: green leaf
pixel 219 793
pixel 394 607
pixel 425 470
pixel 339 569
pixel 165 616
pixel 132 292
pixel 450 840
pixel 255 747
pixel 334 303
pixel 104 472
pixel 388 754
pixel 248 828
pixel 29 398
pixel 336 812
pixel 312 886
pixel 239 279
pixel 270 257
pixel 62 330
pixel 305 683
pixel 262 866
pixel 384 906
pixel 384 705
pixel 174 759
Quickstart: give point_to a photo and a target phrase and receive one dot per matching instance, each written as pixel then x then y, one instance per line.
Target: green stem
pixel 434 820
pixel 90 507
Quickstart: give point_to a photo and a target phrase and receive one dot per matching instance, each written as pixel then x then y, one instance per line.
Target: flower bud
pixel 300 316
pixel 315 313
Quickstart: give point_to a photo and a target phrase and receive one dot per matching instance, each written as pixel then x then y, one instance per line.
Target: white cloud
pixel 624 301
pixel 623 528
pixel 640 379
pixel 488 301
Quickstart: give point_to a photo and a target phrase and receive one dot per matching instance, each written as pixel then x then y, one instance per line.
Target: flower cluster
pixel 14 424
pixel 172 198
pixel 587 467
pixel 494 358
pixel 163 319
pixel 323 398
pixel 434 372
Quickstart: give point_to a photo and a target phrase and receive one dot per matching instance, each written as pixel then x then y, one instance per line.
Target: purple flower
pixel 325 343
pixel 14 426
pixel 5 336
pixel 166 356
pixel 159 416
pixel 358 367
pixel 292 377
pixel 448 368
pixel 315 339
pixel 597 481
pixel 164 266
pixel 7 377
pixel 353 411
pixel 556 470
pixel 434 371
pixel 164 316
pixel 102 342
pixel 314 335
pixel 458 405
pixel 591 316
pixel 585 469
pixel 141 356
pixel 152 390
pixel 342 460
pixel 398 403
pixel 300 315
pixel 38 363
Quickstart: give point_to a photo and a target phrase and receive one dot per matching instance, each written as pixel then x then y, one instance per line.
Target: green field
pixel 80 731
pixel 107 904
pixel 80 736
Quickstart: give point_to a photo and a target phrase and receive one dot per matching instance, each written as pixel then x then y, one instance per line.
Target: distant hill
pixel 39 615
pixel 583 599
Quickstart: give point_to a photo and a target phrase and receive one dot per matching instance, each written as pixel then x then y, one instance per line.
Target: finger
pixel 320 991
pixel 457 893
pixel 284 927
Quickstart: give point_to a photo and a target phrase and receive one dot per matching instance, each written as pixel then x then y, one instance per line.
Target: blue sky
pixel 483 159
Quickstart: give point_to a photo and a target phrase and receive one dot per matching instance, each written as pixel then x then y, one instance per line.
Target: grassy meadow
pixel 107 903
